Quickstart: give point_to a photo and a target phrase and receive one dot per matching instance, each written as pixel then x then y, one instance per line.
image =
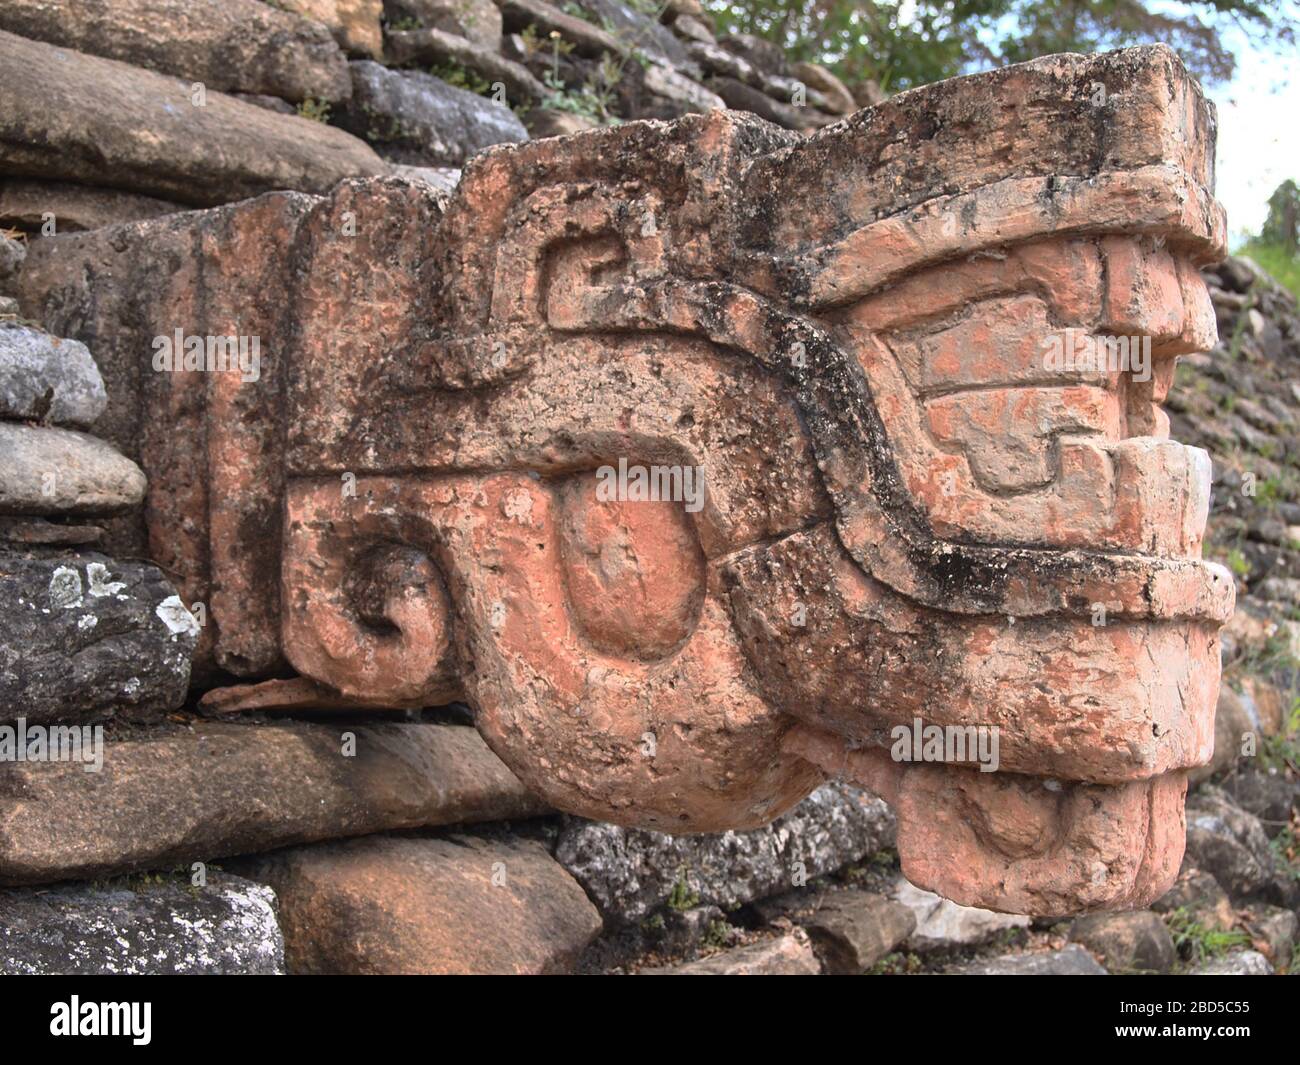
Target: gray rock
pixel 407 47
pixel 1276 928
pixel 478 21
pixel 12 254
pixel 227 927
pixel 587 38
pixel 786 955
pixel 218 789
pixel 942 923
pixel 61 472
pixel 80 121
pixel 1199 894
pixel 630 873
pixel 1137 941
pixel 85 636
pixel 1231 845
pixel 852 930
pixel 443 178
pixel 637 30
pixel 1070 961
pixel 1269 795
pixel 1242 963
pixel 420 120
pixel 234 45
pixel 37 532
pixel 760 53
pixel 45 378
pixel 662 80
pixel 1231 723
pixel 70 208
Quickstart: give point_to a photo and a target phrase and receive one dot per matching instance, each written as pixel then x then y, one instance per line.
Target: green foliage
pixel 682 897
pixel 1195 942
pixel 1281 752
pixel 896 964
pixel 1282 226
pixel 903 43
pixel 462 77
pixel 1238 563
pixel 1286 851
pixel 315 110
pixel 718 934
pixel 1283 268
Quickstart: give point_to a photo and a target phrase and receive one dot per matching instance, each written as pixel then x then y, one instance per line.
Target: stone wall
pixel 245 758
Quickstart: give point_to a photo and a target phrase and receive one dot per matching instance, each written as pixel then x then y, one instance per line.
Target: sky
pixel 1259 135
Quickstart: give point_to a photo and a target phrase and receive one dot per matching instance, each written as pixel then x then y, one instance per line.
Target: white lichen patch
pixel 101 582
pixel 171 611
pixel 65 588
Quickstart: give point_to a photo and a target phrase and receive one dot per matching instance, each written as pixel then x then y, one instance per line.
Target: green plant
pixel 682 897
pixel 1238 563
pixel 896 964
pixel 462 78
pixel 1195 942
pixel 315 110
pixel 718 934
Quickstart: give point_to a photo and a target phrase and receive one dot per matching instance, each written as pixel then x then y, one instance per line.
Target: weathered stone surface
pixel 60 471
pixel 78 122
pixel 742 97
pixel 1200 895
pixel 1273 931
pixel 38 531
pixel 1242 963
pixel 227 927
pixel 420 120
pixel 478 21
pixel 852 930
pixel 908 512
pixel 1137 941
pixel 355 24
pixel 941 923
pixel 1270 795
pixel 82 637
pixel 1231 845
pixel 587 38
pixel 1232 726
pixel 636 28
pixel 1070 961
pixel 662 80
pixel 460 905
pixel 442 178
pixel 818 77
pixel 790 954
pixel 48 379
pixel 217 789
pixel 69 208
pixel 228 45
pixel 630 873
pixel 12 254
pixel 760 53
pixel 435 45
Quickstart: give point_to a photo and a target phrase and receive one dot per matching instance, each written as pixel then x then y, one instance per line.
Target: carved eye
pixel 634 570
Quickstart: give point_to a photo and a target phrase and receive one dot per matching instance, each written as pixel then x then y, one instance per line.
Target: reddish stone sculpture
pixel 911 508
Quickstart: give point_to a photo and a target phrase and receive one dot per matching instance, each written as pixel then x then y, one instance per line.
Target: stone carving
pixel 908 510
